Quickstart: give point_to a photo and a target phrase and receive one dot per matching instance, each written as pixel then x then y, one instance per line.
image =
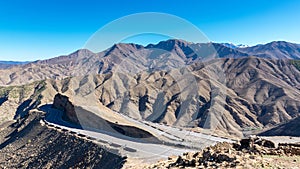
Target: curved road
pixel 132 147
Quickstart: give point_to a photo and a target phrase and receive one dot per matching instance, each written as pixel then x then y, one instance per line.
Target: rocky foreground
pixel 29 144
pixel 248 153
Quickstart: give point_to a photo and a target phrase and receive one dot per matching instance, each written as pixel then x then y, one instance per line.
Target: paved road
pixel 180 136
pixel 132 147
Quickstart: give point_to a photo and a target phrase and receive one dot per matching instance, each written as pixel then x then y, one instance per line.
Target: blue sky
pixel 36 29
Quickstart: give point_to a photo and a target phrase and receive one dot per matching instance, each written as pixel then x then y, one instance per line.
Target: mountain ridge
pixel 175 42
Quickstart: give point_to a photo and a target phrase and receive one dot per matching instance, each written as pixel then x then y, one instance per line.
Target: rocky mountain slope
pixel 274 50
pixel 255 94
pixel 290 128
pixel 17 101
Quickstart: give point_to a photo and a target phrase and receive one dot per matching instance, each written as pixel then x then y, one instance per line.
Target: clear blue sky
pixel 39 29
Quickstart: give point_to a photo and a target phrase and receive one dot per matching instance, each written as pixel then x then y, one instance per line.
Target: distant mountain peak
pixel 233 46
pixel 127 45
pixel 82 51
pixel 123 48
pixel 274 50
pixel 169 44
pixel 281 43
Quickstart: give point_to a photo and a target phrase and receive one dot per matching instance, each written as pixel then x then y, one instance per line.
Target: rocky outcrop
pixel 289 149
pixel 248 153
pixel 72 113
pixel 252 141
pixel 63 103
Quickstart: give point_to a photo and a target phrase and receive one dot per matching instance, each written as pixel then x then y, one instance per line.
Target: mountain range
pixel 85 62
pixel 227 89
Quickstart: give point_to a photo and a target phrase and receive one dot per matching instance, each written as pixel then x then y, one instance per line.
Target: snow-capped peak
pixel 233 46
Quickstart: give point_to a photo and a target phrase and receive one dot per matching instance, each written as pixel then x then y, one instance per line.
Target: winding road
pixel 187 141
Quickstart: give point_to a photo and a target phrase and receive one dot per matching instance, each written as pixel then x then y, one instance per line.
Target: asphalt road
pixel 132 147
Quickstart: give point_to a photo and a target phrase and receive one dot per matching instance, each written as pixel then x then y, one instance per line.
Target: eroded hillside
pixel 171 82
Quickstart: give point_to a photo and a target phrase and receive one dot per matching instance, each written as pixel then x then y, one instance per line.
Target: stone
pixel 172 158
